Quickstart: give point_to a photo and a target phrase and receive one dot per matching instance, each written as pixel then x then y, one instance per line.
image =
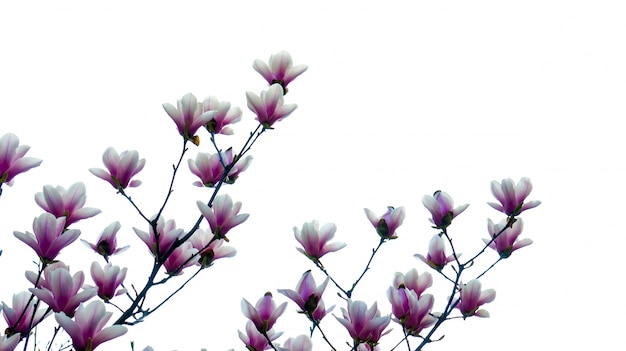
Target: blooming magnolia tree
pixel 80 310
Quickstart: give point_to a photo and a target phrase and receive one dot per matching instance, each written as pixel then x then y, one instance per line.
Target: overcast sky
pixel 401 98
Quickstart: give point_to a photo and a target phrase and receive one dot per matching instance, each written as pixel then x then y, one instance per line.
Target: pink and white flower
pixel 264 314
pixel 436 257
pixel 412 280
pixel 472 297
pixel 223 215
pixel 59 289
pixel 299 343
pixel 269 107
pixel 122 167
pixel 365 325
pixel 511 196
pixel 50 236
pixel 167 234
pixel 256 341
pixel 441 207
pixel 387 224
pixel 307 294
pixel 12 160
pixel 108 280
pixel 9 343
pixel 106 243
pixel 188 116
pixel 180 259
pixel 68 203
pixel 87 329
pixel 280 69
pixel 314 240
pixel 411 311
pixel 210 250
pixel 18 316
pixel 224 115
pixel 506 242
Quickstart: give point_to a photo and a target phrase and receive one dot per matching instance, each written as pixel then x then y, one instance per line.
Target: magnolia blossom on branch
pixel 12 160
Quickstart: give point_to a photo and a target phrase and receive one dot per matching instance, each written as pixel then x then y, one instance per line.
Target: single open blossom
pixel 280 69
pixel 411 311
pixel 412 280
pixel 60 290
pixel 436 257
pixel 224 115
pixel 167 236
pixel 12 160
pixel 223 215
pixel 299 343
pixel 50 237
pixel 18 316
pixel 314 240
pixel 240 165
pixel 188 116
pixel 441 207
pixel 264 314
pixel 210 169
pixel 254 340
pixel 269 107
pixel 180 259
pixel 68 203
pixel 472 297
pixel 512 196
pixel 387 224
pixel 9 343
pixel 506 242
pixel 86 330
pixel 210 250
pixel 106 244
pixel 108 280
pixel 122 167
pixel 307 294
pixel 365 325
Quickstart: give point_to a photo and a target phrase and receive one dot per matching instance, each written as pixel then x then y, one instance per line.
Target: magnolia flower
pixel 167 236
pixel 86 330
pixel 12 160
pixel 223 215
pixel 18 317
pixel 68 203
pixel 224 115
pixel 208 167
pixel 121 168
pixel 314 240
pixel 411 311
pixel 299 343
pixel 413 281
pixel 387 224
pixel 307 294
pixel 472 298
pixel 264 314
pixel 280 69
pixel 256 341
pixel 441 207
pixel 364 325
pixel 180 259
pixel 188 116
pixel 210 250
pixel 9 343
pixel 512 196
pixel 506 242
pixel 108 280
pixel 106 244
pixel 269 107
pixel 50 237
pixel 436 257
pixel 59 290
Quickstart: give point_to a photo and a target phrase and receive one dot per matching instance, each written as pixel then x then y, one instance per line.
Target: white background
pixel 400 99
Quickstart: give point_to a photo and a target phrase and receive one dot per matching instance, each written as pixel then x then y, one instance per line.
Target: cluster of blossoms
pixel 411 305
pixel 78 307
pixel 80 310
